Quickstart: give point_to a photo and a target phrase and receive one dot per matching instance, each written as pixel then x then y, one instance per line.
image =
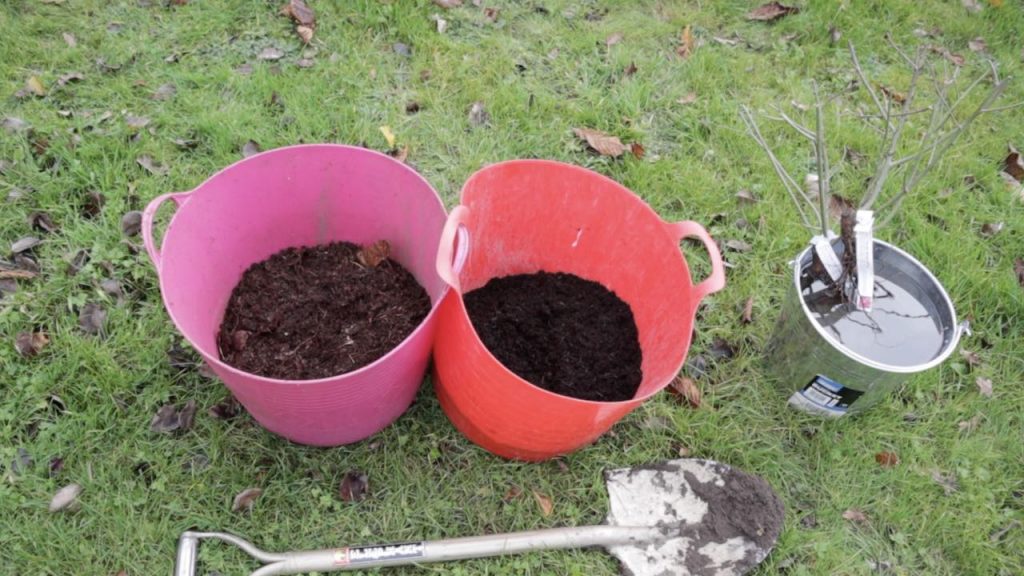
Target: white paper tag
pixel 828 257
pixel 863 231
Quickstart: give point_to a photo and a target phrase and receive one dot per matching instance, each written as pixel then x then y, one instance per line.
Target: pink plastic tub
pixel 301 196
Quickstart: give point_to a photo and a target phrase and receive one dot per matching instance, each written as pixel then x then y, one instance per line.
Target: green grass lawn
pixel 542 68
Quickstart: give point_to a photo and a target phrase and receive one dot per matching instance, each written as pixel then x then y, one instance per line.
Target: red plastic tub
pixel 526 216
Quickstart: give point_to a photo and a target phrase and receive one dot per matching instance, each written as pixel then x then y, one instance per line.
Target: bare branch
pixel 795 193
pixel 820 149
pixel 864 79
pixel 803 130
pixel 1001 108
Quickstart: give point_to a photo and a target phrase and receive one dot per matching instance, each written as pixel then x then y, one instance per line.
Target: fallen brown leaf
pixel 25 244
pixel 354 487
pixel 855 515
pixel 65 79
pixel 448 3
pixel 137 122
pixel 834 35
pixel 478 114
pixel 603 144
pixel 613 39
pixel 972 358
pixel 955 59
pixel 748 311
pixel 29 344
pixel 990 229
pixel 245 499
pixel 152 166
pixel 35 86
pixel 893 95
pixel 42 221
pixel 738 246
pixel 270 54
pixel 947 481
pixel 1013 164
pixel 131 223
pixel 977 45
pixel 91 318
pixel 690 98
pixel 745 196
pixel 887 459
pixel 686 43
pixel 968 426
pixel 638 150
pixel 13 124
pixel 1018 269
pixel 250 148
pixel 372 255
pixel 65 498
pixel 512 493
pixel 226 409
pixel 771 11
pixel 300 12
pixel 491 14
pixel 687 390
pixel 17 274
pixel 70 40
pixel 984 386
pixel 165 92
pixel 305 33
pixel 546 506
pixel 630 70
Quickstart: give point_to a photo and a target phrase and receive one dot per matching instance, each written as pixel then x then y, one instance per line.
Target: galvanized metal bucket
pixel 827 377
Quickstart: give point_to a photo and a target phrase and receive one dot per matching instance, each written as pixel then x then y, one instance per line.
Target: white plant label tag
pixel 823 247
pixel 864 234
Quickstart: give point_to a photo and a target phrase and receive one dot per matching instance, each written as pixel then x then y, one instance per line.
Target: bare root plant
pixel 902 159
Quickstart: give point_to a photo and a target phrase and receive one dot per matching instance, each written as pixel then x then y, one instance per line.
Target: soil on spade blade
pixel 568 335
pixel 316 312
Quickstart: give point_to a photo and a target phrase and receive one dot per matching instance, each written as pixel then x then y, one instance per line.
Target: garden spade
pixel 676 518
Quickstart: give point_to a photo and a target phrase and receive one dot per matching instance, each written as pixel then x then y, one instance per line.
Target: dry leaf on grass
pixel 613 39
pixel 955 59
pixel 972 358
pixel 968 426
pixel 990 229
pixel 270 54
pixel 687 390
pixel 91 318
pixel 389 136
pixel 738 246
pixel 165 92
pixel 152 166
pixel 947 481
pixel 170 419
pixel 686 43
pixel 977 45
pixel 300 12
pixel 893 95
pixel 690 98
pixel 131 223
pixel 28 344
pixel 478 114
pixel 546 506
pixel 245 499
pixel 70 40
pixel 512 493
pixel 748 311
pixel 65 498
pixel 1018 269
pixel 354 487
pixel 250 148
pixel 887 459
pixel 35 86
pixel 638 150
pixel 1013 164
pixel 855 515
pixel 372 255
pixel 448 3
pixel 603 144
pixel 984 386
pixel 746 197
pixel 771 11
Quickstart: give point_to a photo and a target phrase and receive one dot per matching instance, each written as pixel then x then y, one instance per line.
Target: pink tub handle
pixel 147 223
pixel 689 229
pixel 452 255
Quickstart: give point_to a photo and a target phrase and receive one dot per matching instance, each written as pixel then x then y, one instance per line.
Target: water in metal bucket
pixel 839 360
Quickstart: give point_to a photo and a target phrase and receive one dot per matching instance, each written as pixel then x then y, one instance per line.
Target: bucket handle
pixel 147 223
pixel 689 229
pixel 452 255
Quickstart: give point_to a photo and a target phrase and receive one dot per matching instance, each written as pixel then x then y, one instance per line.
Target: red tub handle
pixel 689 229
pixel 452 255
pixel 147 223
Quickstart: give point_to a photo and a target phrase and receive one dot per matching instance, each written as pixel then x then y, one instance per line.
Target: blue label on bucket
pixel 825 397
